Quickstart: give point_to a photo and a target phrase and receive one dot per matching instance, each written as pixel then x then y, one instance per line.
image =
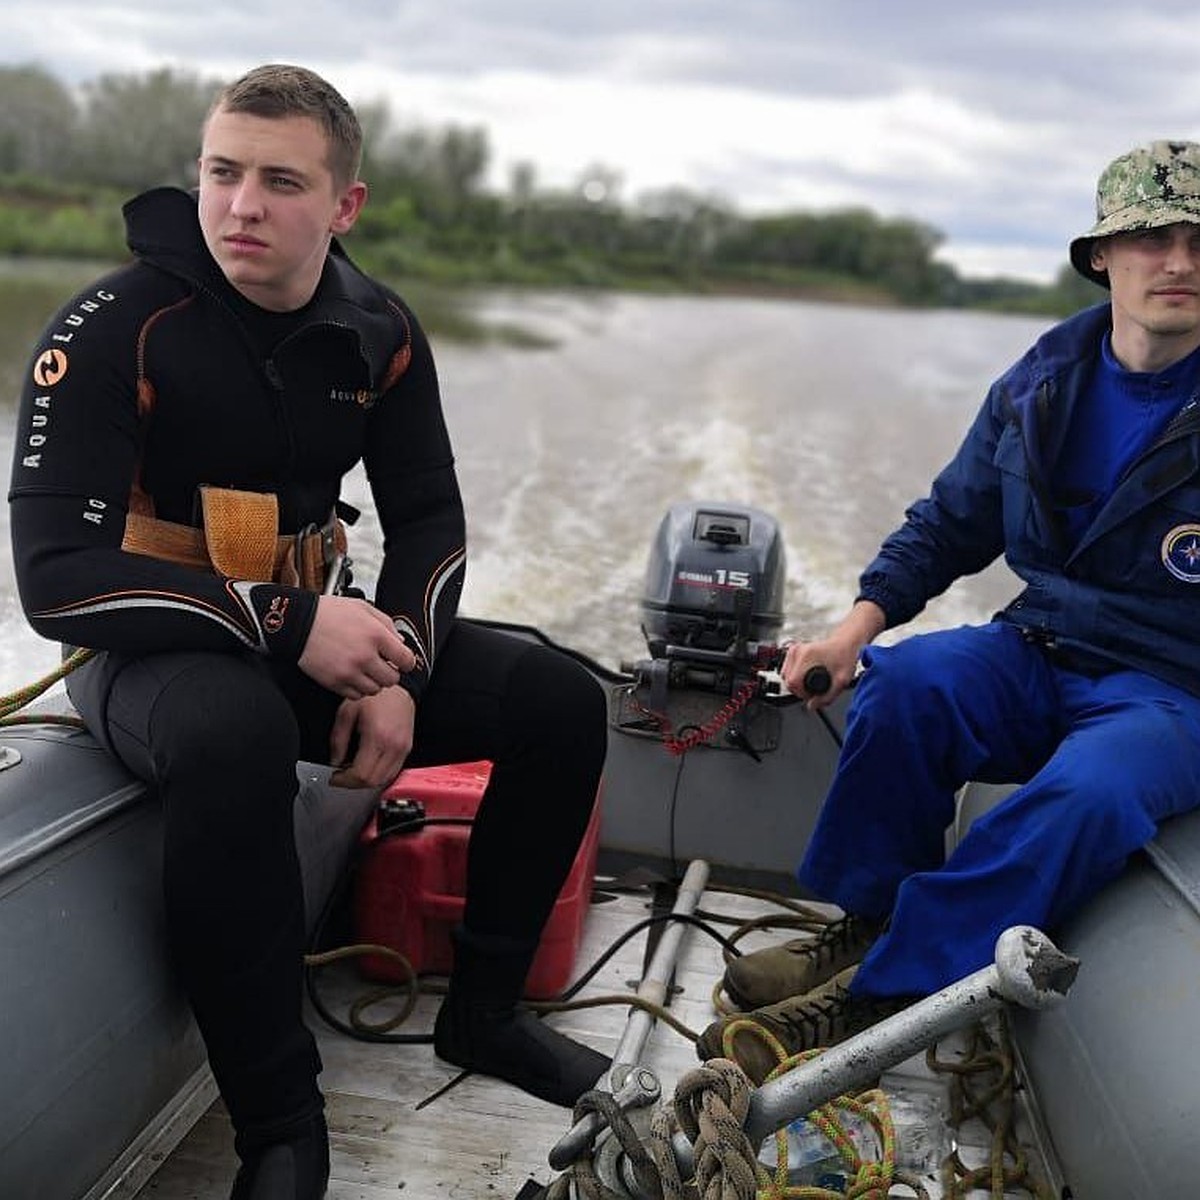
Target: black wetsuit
pixel 161 376
pixel 162 371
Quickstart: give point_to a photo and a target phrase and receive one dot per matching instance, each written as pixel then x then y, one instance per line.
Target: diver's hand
pixel 353 649
pixel 384 724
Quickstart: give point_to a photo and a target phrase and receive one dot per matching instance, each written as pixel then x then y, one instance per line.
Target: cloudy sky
pixel 987 119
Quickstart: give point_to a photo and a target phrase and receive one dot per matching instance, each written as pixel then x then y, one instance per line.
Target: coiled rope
pixel 710 1107
pixel 983 1086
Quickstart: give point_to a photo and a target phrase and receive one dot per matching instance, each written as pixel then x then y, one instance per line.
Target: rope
pixel 867 1179
pixel 630 1001
pixel 358 1025
pixel 583 1173
pixel 983 1087
pixel 710 1106
pixel 15 701
pixel 711 1103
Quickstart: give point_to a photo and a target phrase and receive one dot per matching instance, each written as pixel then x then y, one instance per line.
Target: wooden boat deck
pixel 481 1139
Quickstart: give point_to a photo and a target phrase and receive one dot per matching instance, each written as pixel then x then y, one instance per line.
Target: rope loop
pixel 710 1107
pixel 983 1087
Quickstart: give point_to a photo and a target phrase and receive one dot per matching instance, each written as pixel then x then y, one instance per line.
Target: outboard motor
pixel 712 607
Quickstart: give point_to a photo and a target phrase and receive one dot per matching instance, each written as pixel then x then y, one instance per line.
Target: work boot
pixel 297 1169
pixel 481 1028
pixel 828 1014
pixel 767 976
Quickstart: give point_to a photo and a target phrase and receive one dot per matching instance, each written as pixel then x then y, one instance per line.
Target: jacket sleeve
pixel 75 456
pixel 410 468
pixel 958 529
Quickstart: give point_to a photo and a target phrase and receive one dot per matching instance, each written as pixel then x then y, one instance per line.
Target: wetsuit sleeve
pixel 410 467
pixel 76 453
pixel 958 529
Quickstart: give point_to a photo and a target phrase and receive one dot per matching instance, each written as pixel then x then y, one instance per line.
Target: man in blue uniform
pixel 183 433
pixel 1083 470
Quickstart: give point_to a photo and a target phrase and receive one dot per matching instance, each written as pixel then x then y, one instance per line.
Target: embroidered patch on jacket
pixel 1181 552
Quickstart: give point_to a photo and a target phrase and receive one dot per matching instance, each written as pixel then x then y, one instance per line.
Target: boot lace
pixel 843 935
pixel 832 1017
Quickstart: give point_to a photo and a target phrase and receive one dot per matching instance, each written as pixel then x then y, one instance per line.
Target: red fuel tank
pixel 410 888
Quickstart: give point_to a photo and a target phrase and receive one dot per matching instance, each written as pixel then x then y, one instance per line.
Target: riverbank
pixel 32 289
pixel 558 242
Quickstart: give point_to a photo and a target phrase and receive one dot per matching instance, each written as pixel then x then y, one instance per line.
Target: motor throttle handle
pixel 817 681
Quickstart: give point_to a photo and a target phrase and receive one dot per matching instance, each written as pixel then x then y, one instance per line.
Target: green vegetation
pixel 67 163
pixel 28 298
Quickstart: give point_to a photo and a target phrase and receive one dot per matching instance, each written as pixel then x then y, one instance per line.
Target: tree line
pixel 68 159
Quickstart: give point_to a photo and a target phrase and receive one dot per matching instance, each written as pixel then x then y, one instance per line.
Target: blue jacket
pixel 1128 593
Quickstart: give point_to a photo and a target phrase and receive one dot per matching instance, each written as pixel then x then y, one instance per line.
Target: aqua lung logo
pixel 360 396
pixel 1181 553
pixel 50 367
pixel 48 371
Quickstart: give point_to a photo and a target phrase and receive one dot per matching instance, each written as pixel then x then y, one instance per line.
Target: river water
pixel 831 418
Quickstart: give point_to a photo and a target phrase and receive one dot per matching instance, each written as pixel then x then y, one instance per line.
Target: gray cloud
pixel 1036 95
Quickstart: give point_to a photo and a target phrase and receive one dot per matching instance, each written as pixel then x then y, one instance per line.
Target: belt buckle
pixel 329 550
pixel 336 562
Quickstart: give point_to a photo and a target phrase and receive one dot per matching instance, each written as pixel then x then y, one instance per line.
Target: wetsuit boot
pixel 480 1026
pixel 293 1169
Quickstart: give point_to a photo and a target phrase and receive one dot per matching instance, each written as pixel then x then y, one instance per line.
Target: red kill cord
pixel 711 727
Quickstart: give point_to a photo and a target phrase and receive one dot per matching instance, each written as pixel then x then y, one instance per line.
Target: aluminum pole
pixel 625 1079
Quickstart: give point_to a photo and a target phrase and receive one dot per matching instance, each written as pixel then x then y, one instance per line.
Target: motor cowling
pixel 714 583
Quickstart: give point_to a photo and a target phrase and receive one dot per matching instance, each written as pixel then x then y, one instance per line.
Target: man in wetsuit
pixel 241 365
pixel 1083 470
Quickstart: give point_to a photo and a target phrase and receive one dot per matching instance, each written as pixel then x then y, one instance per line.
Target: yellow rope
pixel 983 1085
pixel 15 701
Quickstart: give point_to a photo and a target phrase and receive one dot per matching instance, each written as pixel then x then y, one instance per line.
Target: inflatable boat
pixel 104 1071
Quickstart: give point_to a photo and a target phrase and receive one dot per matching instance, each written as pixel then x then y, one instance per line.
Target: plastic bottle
pixel 922 1134
pixel 813 1160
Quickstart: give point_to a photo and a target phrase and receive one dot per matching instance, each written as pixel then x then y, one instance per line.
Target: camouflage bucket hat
pixel 1154 185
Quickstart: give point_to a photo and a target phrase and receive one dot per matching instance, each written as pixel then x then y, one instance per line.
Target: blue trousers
pixel 1100 760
